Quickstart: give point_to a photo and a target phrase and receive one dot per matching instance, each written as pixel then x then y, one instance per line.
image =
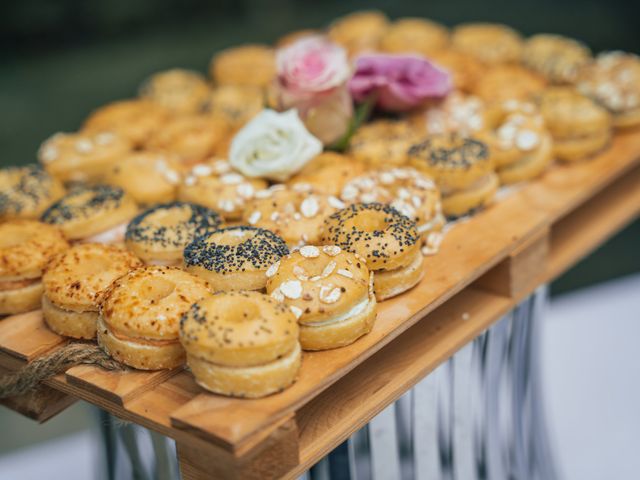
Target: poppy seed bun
pixel 241 344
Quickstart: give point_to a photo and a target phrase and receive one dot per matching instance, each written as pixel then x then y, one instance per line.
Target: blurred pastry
pixel 98 213
pixel 508 82
pixel 26 192
pixel 178 90
pixel 465 69
pixel 241 344
pixel 327 173
pixel 74 281
pixel 82 157
pixel 139 322
pixel 235 104
pixel 613 80
pixel 414 35
pixel 328 290
pixel 134 120
pixel 383 142
pixel 579 126
pixel 159 235
pixel 383 238
pixel 462 168
pixel 408 190
pixel 190 138
pixel 491 43
pixel 252 65
pixel 359 32
pixel 457 113
pixel 148 177
pixel 215 185
pixel 295 214
pixel 519 142
pixel 25 248
pixel 292 37
pixel 557 58
pixel 234 258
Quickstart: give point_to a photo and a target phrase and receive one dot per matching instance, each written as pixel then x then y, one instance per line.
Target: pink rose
pixel 312 65
pixel 312 78
pixel 400 82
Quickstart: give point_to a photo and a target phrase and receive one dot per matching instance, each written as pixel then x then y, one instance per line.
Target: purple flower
pixel 400 82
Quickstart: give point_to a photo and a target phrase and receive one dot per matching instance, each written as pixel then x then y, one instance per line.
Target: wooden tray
pixel 485 266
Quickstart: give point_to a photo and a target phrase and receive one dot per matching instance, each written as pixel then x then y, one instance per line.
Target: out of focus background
pixel 61 59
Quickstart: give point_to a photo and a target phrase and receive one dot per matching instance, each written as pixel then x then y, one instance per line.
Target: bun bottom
pixel 140 355
pixel 339 333
pixel 389 283
pixel 461 202
pixel 629 119
pixel 528 167
pixel 573 149
pixel 81 325
pixel 247 382
pixel 20 300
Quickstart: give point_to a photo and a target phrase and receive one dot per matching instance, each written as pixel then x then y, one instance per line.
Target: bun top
pixel 238 329
pixel 318 283
pixel 75 279
pixel 148 302
pixel 89 210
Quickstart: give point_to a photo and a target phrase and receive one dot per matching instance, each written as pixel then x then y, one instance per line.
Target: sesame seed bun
pixel 389 283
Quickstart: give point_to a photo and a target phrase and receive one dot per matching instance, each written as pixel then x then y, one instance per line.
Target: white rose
pixel 273 145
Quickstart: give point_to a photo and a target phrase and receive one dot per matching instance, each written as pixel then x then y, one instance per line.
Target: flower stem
pixel 362 113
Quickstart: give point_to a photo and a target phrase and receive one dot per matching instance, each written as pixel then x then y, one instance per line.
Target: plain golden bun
pixel 247 65
pixel 491 43
pixel 25 248
pixel 74 279
pixel 241 344
pixel 559 59
pixel 414 35
pixel 178 90
pixel 327 173
pixel 148 177
pixel 160 234
pixel 134 120
pixel 234 258
pixel 359 32
pixel 140 316
pixel 92 211
pixel 27 192
pixel 328 290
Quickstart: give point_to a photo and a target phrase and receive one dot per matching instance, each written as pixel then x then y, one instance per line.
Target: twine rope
pixel 46 366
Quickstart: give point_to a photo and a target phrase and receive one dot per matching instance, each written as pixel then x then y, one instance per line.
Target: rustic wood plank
pixel 521 267
pixel 117 387
pixel 277 454
pixel 582 231
pixel 25 336
pixel 40 404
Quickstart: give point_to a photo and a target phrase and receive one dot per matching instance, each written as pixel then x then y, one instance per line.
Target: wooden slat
pixel 469 250
pixel 24 337
pixel 40 404
pixel 117 387
pixel 522 266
